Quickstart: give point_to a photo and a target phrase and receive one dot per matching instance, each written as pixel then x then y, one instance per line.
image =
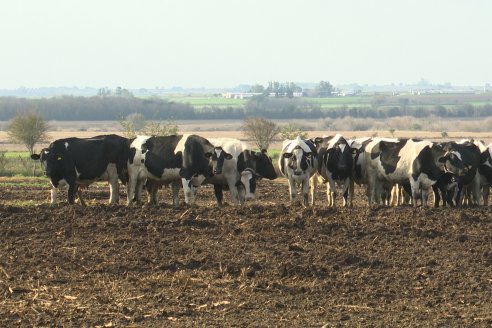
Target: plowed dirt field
pixel 264 264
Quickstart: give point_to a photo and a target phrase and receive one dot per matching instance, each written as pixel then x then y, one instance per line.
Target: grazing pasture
pixel 264 264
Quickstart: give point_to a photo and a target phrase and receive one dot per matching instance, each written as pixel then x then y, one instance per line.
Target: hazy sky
pixel 223 43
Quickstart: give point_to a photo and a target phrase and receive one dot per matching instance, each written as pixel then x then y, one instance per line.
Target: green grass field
pixel 207 101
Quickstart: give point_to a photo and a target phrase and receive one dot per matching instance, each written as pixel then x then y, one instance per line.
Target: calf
pixel 170 159
pixel 299 162
pixel 335 165
pixel 74 162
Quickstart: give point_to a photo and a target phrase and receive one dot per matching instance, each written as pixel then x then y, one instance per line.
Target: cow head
pixel 248 180
pixel 42 157
pixel 263 165
pixel 53 162
pixel 453 163
pixel 217 158
pixel 298 160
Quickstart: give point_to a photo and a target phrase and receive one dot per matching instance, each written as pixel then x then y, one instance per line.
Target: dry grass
pixel 456 129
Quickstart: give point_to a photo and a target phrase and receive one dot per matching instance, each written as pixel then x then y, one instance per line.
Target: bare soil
pixel 264 264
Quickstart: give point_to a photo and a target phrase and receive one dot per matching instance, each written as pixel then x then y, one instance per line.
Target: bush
pixel 291 131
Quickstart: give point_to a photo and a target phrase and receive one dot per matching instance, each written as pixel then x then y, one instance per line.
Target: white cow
pixel 299 162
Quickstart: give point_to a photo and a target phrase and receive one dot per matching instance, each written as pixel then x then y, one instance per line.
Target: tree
pixel 28 129
pixel 291 131
pixel 262 131
pixel 135 124
pixel 257 88
pixel 324 89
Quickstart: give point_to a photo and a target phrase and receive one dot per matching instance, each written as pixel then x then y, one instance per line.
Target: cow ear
pixel 208 155
pixel 330 150
pixel 483 156
pixel 228 156
pixel 263 151
pixel 287 155
pixel 354 150
pixel 58 157
pixel 35 157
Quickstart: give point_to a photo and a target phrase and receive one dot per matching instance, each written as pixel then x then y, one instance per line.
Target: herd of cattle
pixel 394 171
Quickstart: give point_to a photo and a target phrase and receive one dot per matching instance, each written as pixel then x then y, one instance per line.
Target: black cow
pixel 75 162
pixel 335 166
pixel 485 170
pixel 171 159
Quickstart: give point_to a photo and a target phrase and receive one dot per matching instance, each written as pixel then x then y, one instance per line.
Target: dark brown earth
pixel 263 264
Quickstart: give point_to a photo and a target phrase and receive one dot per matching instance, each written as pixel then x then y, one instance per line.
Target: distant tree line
pixel 287 89
pixel 68 108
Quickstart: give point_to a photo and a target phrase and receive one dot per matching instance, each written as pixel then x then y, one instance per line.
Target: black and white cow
pixel 485 169
pixel 75 162
pixel 298 162
pixel 377 190
pixel 335 166
pixel 419 162
pixel 185 159
pixel 240 174
pixel 467 180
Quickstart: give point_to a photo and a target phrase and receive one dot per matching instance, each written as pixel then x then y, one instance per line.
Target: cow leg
pixel 345 191
pixel 395 197
pixel 437 197
pixel 114 191
pixel 485 194
pixel 292 190
pixel 305 192
pixel 138 191
pixel 241 194
pixel 130 187
pixel 54 192
pixel 331 192
pixel 351 192
pixel 218 193
pixel 313 186
pixel 72 190
pixel 372 190
pixel 152 190
pixel 476 189
pixel 188 192
pixel 79 195
pixel 175 190
pixel 425 196
pixel 378 192
pixel 233 190
pixel 415 191
pixel 459 195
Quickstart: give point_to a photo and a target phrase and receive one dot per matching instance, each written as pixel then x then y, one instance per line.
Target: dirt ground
pixel 266 264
